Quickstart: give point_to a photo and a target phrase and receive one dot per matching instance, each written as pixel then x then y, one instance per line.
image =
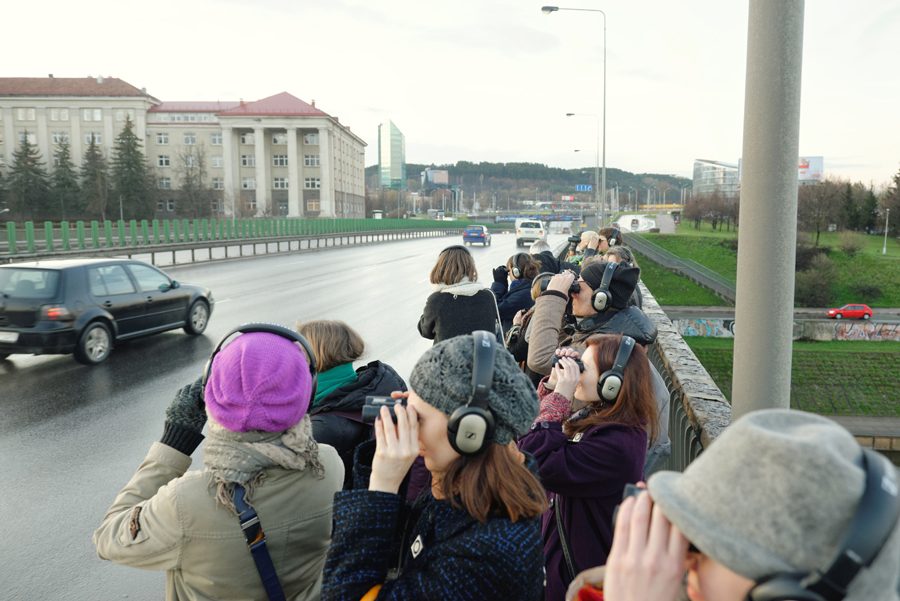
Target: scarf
pixel 243 457
pixel 332 379
pixel 464 287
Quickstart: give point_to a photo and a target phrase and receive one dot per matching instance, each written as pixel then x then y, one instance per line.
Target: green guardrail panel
pixel 48 235
pixel 133 232
pixel 176 231
pixel 120 231
pixel 167 231
pixel 145 232
pixel 108 233
pixel 65 235
pixel 11 237
pixel 154 225
pixel 29 236
pixel 186 230
pixel 79 232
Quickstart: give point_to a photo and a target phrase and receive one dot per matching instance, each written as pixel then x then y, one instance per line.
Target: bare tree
pixel 195 197
pixel 817 206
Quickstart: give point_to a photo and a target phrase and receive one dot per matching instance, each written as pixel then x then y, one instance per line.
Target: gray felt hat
pixel 775 493
pixel 443 378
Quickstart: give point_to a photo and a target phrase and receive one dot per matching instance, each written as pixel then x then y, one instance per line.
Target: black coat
pixel 511 299
pixel 553 265
pixel 447 315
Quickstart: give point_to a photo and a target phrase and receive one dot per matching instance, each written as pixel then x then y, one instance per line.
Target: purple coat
pixel 586 479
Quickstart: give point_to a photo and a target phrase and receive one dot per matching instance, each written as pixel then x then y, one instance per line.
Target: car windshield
pixel 29 283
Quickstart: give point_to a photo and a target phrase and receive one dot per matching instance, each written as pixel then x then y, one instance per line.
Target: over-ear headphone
pixel 601 298
pixel 471 426
pixel 268 328
pixel 616 234
pixel 610 383
pixel 544 278
pixel 871 526
pixel 516 261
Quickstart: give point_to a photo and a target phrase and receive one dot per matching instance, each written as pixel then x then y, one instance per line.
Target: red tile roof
pixel 68 86
pixel 279 105
pixel 194 107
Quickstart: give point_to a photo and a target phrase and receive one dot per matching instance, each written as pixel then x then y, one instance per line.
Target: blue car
pixel 477 233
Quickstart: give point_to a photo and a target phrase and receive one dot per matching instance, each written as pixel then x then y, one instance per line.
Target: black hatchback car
pixel 84 306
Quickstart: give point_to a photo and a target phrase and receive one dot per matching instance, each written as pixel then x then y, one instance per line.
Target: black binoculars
pixel 372 408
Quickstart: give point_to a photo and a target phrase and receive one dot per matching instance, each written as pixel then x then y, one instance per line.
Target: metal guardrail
pixel 686 267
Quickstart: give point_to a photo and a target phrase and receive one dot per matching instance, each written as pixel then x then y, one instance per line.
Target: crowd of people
pixel 510 466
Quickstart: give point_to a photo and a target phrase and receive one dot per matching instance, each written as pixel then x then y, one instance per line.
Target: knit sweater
pixel 458 310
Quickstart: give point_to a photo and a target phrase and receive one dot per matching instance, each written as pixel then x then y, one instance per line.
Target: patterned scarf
pixel 243 457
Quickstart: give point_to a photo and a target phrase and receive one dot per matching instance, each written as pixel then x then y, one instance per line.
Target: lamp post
pixel 552 9
pixel 887 216
pixel 600 201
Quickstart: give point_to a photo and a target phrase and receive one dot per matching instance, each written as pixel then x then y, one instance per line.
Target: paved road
pixel 70 435
pixel 886 315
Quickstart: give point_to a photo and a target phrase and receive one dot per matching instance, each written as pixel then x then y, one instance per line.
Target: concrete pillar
pixel 75 139
pixel 764 311
pixel 295 184
pixel 43 138
pixel 262 172
pixel 232 192
pixel 109 132
pixel 140 125
pixel 326 174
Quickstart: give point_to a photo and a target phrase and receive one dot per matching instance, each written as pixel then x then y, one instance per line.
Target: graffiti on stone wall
pixel 865 330
pixel 716 328
pixel 802 330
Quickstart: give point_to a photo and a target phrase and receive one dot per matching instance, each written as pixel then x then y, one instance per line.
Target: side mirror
pixel 175 284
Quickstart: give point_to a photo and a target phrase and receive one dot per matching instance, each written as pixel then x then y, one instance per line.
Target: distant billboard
pixel 437 177
pixel 811 169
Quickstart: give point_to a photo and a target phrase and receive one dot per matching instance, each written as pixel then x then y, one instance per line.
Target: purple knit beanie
pixel 258 381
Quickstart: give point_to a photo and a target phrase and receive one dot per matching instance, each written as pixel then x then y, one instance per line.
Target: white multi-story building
pixel 715 176
pixel 275 156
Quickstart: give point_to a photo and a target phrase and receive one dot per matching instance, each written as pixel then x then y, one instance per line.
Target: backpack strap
pixel 256 540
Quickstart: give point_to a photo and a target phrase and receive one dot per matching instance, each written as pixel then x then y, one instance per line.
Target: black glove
pixel 185 418
pixel 501 273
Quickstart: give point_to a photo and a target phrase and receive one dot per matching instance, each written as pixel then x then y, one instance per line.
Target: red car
pixel 851 312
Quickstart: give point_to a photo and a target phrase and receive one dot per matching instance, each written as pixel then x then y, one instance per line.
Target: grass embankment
pixel 670 288
pixel 829 378
pixel 868 267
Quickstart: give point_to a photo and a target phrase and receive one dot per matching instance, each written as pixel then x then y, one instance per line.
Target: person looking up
pixel 512 286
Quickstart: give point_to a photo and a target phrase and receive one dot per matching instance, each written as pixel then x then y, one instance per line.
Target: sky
pixel 492 80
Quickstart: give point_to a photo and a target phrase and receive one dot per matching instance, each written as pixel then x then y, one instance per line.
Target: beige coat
pixel 166 519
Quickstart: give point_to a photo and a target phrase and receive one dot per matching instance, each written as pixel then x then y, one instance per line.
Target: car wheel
pixel 198 318
pixel 839 316
pixel 866 316
pixel 94 344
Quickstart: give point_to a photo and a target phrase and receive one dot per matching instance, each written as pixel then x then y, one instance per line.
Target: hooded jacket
pixel 511 298
pixel 458 309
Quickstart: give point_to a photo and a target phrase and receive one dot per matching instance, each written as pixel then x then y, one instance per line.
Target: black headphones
pixel 610 383
pixel 602 297
pixel 471 426
pixel 872 524
pixel 611 240
pixel 544 278
pixel 268 328
pixel 516 261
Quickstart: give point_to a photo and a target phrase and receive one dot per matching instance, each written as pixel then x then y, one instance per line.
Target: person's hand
pixel 560 352
pixel 648 553
pixel 187 409
pixel 396 446
pixel 592 576
pixel 561 282
pixel 501 273
pixel 589 239
pixel 518 317
pixel 567 375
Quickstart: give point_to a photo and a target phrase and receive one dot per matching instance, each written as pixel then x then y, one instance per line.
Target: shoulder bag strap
pixel 563 541
pixel 256 540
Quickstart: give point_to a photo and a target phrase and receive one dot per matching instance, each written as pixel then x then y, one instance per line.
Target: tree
pixel 194 196
pixel 891 200
pixel 129 175
pixel 817 206
pixel 28 186
pixel 65 192
pixel 849 210
pixel 868 214
pixel 95 181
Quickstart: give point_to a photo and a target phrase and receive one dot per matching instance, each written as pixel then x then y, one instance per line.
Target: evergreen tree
pixel 95 182
pixel 65 193
pixel 849 210
pixel 129 175
pixel 891 200
pixel 868 214
pixel 28 187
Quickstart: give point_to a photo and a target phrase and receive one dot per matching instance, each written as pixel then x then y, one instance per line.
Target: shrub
pixel 814 287
pixel 806 255
pixel 729 243
pixel 851 243
pixel 867 292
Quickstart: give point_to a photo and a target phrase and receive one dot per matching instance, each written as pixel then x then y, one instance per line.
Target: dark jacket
pixel 443 553
pixel 512 298
pixel 585 478
pixel 337 418
pixel 552 264
pixel 448 313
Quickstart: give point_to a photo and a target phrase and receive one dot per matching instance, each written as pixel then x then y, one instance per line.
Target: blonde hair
pixel 333 342
pixel 454 264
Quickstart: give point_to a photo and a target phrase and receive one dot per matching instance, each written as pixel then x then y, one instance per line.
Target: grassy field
pixel 829 378
pixel 670 288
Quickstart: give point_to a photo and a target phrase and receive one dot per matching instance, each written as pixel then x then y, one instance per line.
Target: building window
pixel 252 204
pixel 312 183
pixel 248 183
pixel 165 183
pixel 170 205
pixel 217 162
pixel 190 139
pixel 189 161
pixel 280 160
pixel 160 205
pixel 248 160
pixel 25 114
pixel 311 139
pixel 215 138
pixel 32 138
pixel 93 135
pixel 123 114
pixel 215 206
pixel 162 138
pixel 218 183
pixel 59 114
pixel 279 138
pixel 162 160
pixel 311 160
pixel 312 204
pixel 280 183
pixel 92 115
pixel 248 139
pixel 59 137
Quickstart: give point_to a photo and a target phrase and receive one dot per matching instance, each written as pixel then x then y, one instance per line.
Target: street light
pixel 887 216
pixel 552 9
pixel 597 197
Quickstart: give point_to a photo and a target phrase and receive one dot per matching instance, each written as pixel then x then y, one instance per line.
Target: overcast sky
pixel 491 80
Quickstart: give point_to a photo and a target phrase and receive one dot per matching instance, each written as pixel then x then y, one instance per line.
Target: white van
pixel 528 230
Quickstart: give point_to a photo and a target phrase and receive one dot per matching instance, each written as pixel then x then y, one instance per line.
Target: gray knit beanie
pixel 774 494
pixel 443 378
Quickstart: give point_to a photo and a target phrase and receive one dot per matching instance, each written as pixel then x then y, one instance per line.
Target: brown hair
pixel 494 483
pixel 453 264
pixel 333 342
pixel 622 253
pixel 636 403
pixel 528 266
pixel 542 278
pixel 611 232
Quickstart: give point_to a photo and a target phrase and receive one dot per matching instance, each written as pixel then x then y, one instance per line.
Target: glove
pixel 501 273
pixel 185 418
